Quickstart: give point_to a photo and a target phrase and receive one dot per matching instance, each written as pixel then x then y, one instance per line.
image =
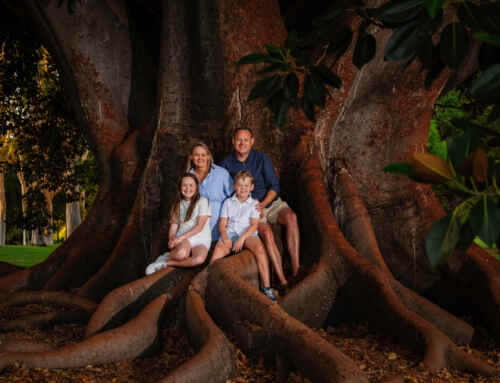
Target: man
pixel 266 191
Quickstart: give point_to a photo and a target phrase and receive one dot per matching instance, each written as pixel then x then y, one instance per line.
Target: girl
pixel 189 228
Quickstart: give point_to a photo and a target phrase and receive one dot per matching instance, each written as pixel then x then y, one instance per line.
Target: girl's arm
pixel 238 245
pixel 200 223
pixel 171 234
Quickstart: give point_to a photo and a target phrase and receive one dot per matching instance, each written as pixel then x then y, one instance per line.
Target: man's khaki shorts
pixel 271 213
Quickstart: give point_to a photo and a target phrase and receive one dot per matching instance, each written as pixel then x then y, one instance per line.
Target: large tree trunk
pixel 143 88
pixel 3 211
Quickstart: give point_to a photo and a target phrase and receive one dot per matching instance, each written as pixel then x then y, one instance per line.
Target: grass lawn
pixel 25 255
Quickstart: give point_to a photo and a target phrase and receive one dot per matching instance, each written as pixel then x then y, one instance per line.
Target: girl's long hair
pixel 174 211
pixel 189 163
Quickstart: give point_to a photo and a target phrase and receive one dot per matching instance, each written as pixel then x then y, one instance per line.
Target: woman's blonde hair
pixel 189 164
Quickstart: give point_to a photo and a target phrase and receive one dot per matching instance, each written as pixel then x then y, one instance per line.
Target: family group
pixel 231 207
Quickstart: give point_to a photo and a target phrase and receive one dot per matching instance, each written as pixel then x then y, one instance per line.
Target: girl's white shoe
pixel 158 264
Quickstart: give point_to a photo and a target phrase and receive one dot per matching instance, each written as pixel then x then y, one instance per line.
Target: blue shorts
pixel 234 236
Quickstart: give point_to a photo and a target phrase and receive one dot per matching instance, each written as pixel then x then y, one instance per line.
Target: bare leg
pixel 267 236
pixel 220 251
pixel 180 252
pixel 288 219
pixel 198 256
pixel 254 244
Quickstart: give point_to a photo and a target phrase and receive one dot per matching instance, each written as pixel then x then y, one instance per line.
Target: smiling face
pixel 242 143
pixel 200 158
pixel 188 187
pixel 243 186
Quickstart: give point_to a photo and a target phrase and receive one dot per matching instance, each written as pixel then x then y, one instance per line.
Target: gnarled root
pixel 232 299
pixel 126 342
pixel 215 360
pixel 122 303
pixel 81 309
pixel 380 298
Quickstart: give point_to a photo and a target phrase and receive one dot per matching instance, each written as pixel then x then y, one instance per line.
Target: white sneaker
pixel 158 264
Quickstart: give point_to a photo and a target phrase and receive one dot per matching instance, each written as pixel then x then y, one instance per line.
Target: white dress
pixel 204 237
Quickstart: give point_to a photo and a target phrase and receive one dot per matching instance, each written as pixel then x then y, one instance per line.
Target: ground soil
pixel 377 355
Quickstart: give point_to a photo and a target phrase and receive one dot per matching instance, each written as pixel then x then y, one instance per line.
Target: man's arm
pixel 271 181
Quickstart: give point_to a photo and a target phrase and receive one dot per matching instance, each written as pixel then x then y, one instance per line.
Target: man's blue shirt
pixel 260 166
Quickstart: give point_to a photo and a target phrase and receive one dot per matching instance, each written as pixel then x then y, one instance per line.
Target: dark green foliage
pixel 364 51
pixel 453 45
pixel 39 136
pixel 485 220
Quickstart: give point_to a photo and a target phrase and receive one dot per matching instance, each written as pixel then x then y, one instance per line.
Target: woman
pixel 215 182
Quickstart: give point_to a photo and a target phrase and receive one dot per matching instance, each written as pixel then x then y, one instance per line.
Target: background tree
pixel 47 151
pixel 143 85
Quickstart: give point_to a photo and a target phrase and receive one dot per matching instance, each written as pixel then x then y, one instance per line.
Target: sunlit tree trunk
pixel 3 210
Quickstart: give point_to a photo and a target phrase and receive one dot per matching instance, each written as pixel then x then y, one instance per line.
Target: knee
pixel 199 258
pixel 266 233
pixel 291 218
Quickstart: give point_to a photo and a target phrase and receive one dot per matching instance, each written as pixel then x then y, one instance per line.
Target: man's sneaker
pixel 268 291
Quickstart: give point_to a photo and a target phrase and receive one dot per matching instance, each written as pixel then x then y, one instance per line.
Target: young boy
pixel 238 228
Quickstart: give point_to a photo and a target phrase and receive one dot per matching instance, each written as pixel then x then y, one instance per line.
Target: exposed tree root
pixel 84 309
pixel 45 319
pixel 126 342
pixel 216 358
pixel 232 299
pixel 17 345
pixel 59 298
pixel 124 302
pixel 7 268
pixel 370 284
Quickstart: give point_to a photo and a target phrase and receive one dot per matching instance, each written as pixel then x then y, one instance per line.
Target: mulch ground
pixel 376 355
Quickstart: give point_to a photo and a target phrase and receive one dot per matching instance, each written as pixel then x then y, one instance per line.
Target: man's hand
pixel 238 245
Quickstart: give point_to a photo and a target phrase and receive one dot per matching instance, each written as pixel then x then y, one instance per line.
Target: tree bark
pixel 3 211
pixel 143 89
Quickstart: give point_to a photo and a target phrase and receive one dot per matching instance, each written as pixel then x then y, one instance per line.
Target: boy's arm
pixel 238 245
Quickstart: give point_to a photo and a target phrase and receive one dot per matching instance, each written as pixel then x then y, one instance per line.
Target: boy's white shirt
pixel 239 214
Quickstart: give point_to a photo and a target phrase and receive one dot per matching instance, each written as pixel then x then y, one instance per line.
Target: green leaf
pixel 329 16
pixel 436 239
pixel 292 39
pixel 282 116
pixel 403 43
pixel 459 147
pixel 398 12
pixel 398 168
pixel 364 50
pixel 453 45
pixel 308 108
pixel 314 90
pixel 255 58
pixel 273 68
pixel 265 87
pixel 485 220
pixel 341 42
pixel 488 38
pixel 433 6
pixel 328 77
pixel 274 51
pixel 487 81
pixel 291 87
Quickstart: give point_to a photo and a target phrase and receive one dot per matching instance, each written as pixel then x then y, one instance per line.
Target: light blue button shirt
pixel 216 187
